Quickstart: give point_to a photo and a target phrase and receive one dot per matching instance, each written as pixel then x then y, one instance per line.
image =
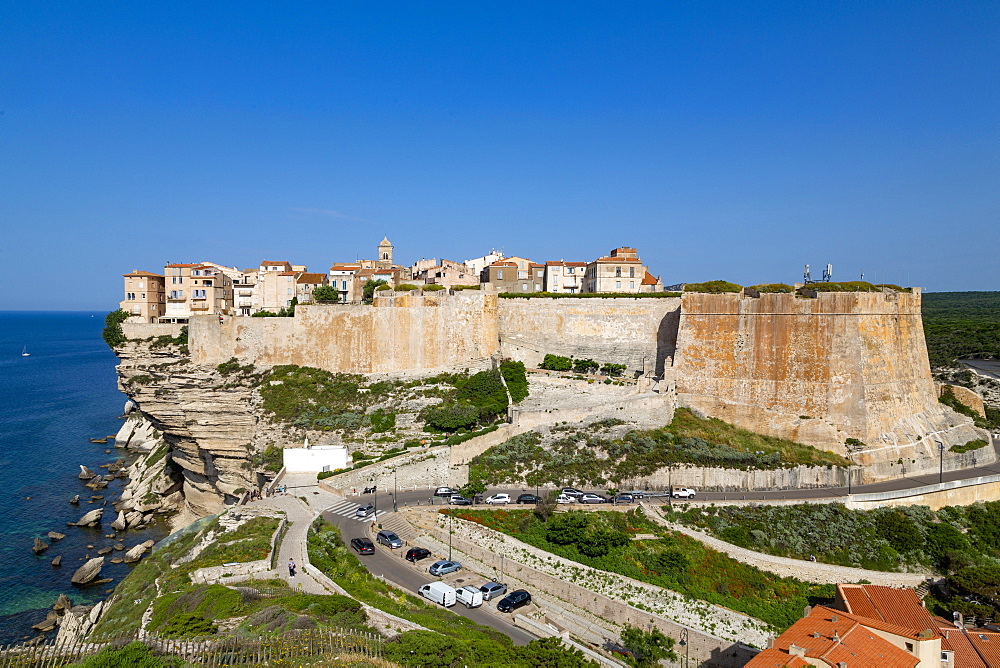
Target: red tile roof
pixel 272 263
pixel 311 278
pixel 775 658
pixel 832 636
pixel 503 264
pixel 345 267
pixel 136 272
pixel 986 644
pixel 957 641
pixel 619 260
pixel 649 279
pixel 897 606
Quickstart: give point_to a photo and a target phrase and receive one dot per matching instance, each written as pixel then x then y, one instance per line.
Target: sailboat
pixel 25 353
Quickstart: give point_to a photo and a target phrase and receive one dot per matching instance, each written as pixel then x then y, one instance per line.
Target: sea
pixel 52 402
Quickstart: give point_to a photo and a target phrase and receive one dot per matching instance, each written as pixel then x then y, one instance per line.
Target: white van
pixel 470 597
pixel 438 592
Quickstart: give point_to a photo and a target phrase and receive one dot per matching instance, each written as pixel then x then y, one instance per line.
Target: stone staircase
pixel 396 522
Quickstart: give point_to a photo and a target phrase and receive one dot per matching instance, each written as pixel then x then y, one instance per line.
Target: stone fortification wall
pixel 420 469
pixel 631 331
pixel 145 330
pixel 399 333
pixel 819 371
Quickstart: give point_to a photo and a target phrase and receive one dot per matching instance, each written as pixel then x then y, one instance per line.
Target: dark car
pixel 624 498
pixel 445 491
pixel 514 600
pixel 528 498
pixel 415 554
pixel 363 545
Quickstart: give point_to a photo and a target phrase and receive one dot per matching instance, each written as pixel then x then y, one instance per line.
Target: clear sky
pixel 734 140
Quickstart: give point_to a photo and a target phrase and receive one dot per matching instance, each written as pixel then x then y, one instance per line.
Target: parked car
pixel 365 510
pixel 445 491
pixel 514 600
pixel 492 590
pixel 592 498
pixel 682 492
pixel 363 546
pixel 459 500
pixel 470 597
pixel 528 498
pixel 498 499
pixel 438 592
pixel 389 539
pixel 569 491
pixel 564 498
pixel 624 498
pixel 444 567
pixel 415 554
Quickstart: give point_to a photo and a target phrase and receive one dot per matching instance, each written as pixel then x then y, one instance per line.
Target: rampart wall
pixel 819 371
pixel 638 332
pixel 399 333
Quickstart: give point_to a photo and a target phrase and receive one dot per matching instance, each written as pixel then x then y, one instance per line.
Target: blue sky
pixel 723 140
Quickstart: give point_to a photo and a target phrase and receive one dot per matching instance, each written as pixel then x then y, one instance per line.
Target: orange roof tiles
pixel 957 641
pixel 149 274
pixel 775 658
pixel 619 260
pixel 273 263
pixel 287 273
pixel 986 644
pixel 345 267
pixel 649 279
pixel 311 278
pixel 503 264
pixel 897 606
pixel 833 636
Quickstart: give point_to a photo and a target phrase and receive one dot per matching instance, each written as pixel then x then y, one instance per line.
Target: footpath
pixel 809 571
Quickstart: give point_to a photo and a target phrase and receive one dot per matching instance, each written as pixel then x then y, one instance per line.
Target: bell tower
pixel 384 254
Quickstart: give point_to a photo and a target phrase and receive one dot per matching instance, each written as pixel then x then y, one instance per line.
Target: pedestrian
pixel 291 568
pixel 812 557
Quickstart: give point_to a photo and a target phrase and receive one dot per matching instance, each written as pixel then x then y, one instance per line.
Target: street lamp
pixel 687 647
pixel 451 530
pixel 395 489
pixel 941 470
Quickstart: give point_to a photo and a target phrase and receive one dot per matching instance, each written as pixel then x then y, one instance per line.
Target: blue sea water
pixel 51 402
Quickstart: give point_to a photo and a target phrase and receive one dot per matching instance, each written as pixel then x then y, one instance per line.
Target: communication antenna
pixel 806 276
pixel 828 273
pixel 862 274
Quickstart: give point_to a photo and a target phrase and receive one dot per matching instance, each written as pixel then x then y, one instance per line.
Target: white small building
pixel 315 458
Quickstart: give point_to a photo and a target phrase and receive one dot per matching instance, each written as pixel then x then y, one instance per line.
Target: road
pixel 391 565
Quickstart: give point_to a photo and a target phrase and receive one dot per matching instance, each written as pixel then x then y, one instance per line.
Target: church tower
pixel 384 254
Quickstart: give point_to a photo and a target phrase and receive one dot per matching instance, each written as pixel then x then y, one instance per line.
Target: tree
pixel 472 488
pixel 567 529
pixel 647 647
pixel 113 334
pixel 368 290
pixel 326 293
pixel 899 531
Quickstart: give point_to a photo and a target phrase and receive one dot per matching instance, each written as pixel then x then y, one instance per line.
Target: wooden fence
pixel 210 651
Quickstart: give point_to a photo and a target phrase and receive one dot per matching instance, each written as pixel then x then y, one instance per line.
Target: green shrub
pixel 326 293
pixel 773 287
pixel 433 287
pixel 585 365
pixel 556 363
pixel 971 445
pixel 186 625
pixel 272 458
pixel 382 421
pixel 113 334
pixel 713 287
pixel 459 288
pixel 382 288
pixel 405 287
pixel 517 381
pixel 133 655
pixel 610 369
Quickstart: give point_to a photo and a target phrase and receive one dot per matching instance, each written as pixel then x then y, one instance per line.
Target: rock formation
pixel 92 518
pixel 135 553
pixel 88 572
pixel 39 546
pixel 55 535
pixel 57 562
pixel 119 524
pixel 86 473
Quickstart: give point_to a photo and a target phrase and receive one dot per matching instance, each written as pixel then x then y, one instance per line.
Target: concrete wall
pixel 621 330
pixel 415 470
pixel 819 371
pixel 144 330
pixel 649 410
pixel 404 332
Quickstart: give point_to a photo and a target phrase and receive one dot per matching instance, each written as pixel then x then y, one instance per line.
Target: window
pixel 522 274
pixel 618 272
pixel 631 272
pixel 499 274
pixel 618 285
pixel 909 647
pixel 143 295
pixel 538 287
pixel 141 285
pixel 569 270
pixel 946 656
pixel 524 287
pixel 288 291
pixel 196 272
pixel 199 294
pixel 343 285
pixel 631 285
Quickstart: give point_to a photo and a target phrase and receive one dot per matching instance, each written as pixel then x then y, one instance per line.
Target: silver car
pixel 389 539
pixel 493 590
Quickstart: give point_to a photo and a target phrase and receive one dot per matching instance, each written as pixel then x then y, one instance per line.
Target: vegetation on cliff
pixel 961 325
pixel 961 542
pixel 852 286
pixel 113 334
pixel 589 456
pixel 713 287
pixel 584 295
pixel 605 540
pixel 990 421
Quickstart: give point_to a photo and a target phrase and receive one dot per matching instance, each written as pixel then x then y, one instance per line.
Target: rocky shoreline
pixel 148 497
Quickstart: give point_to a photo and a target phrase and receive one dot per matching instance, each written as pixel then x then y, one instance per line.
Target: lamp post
pixel 941 469
pixel 375 501
pixel 687 647
pixel 395 489
pixel 451 529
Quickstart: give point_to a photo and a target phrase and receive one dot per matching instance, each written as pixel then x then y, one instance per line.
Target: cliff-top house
pixel 144 296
